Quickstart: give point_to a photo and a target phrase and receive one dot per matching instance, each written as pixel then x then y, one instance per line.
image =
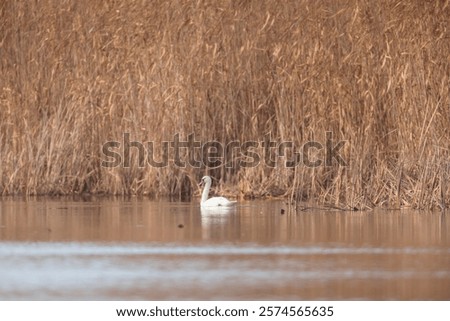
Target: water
pixel 109 249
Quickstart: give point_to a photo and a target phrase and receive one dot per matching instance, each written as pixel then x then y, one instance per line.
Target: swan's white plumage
pixel 213 201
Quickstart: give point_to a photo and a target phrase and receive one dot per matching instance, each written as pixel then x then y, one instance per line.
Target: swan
pixel 213 201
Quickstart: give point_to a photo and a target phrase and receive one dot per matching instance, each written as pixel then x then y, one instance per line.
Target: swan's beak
pixel 200 184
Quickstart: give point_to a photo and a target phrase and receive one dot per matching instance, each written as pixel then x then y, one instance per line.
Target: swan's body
pixel 213 201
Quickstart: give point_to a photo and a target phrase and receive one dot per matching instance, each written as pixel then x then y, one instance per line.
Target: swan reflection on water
pixel 215 221
pixel 214 215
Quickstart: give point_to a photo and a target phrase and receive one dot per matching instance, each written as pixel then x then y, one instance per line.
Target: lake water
pixel 137 249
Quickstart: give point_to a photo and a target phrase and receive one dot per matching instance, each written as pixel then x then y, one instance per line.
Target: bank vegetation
pixel 77 74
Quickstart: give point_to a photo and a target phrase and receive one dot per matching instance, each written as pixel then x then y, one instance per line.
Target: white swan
pixel 213 201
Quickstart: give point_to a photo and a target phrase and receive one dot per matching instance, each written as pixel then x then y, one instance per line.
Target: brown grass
pixel 75 74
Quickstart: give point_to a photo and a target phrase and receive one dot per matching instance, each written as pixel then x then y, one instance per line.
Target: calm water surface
pixel 149 250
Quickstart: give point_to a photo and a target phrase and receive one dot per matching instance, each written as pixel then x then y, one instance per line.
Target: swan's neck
pixel 205 192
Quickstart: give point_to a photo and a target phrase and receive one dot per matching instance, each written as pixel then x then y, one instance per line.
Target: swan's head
pixel 206 180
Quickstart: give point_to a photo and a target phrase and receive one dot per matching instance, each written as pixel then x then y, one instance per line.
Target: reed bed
pixel 375 74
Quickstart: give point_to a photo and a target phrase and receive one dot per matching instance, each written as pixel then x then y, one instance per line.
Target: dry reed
pixel 75 74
